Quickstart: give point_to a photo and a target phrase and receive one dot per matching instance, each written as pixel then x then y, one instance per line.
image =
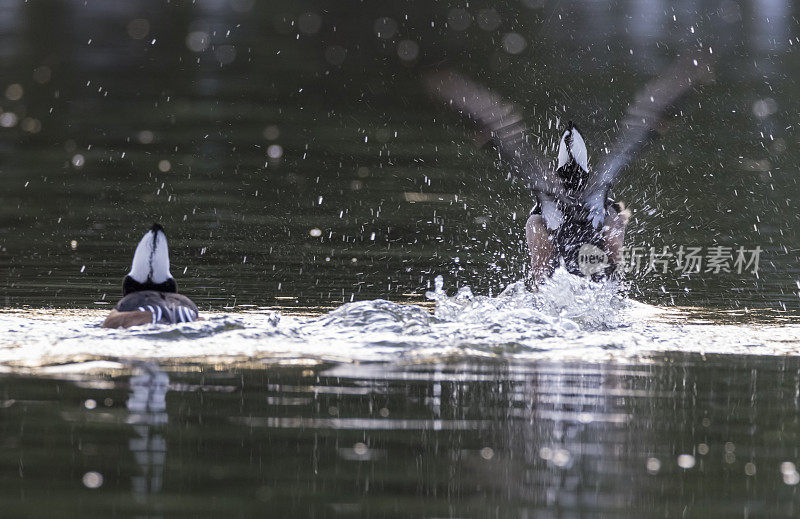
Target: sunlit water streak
pixel 568 318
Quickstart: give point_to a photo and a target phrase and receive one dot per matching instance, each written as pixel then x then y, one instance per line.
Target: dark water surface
pixel 678 436
pixel 120 113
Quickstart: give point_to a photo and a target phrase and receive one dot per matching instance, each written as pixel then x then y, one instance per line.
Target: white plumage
pixel 151 259
pixel 563 156
pixel 553 217
pixel 577 147
pixel 579 152
pixel 595 203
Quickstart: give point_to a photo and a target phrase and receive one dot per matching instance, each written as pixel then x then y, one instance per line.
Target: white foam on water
pixel 566 318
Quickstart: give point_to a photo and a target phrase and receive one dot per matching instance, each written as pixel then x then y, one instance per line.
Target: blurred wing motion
pixel 643 116
pixel 503 122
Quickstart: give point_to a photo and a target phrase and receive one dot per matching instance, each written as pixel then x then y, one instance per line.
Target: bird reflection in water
pixel 147 405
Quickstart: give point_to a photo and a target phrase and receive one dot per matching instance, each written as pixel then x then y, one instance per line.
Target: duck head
pixel 150 267
pixel 573 159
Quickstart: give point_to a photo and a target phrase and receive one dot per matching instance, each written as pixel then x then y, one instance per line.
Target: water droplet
pixel 408 50
pixel 271 132
pixel 514 43
pixel 138 28
pixel 488 19
pixel 561 458
pixel 8 119
pixel 385 28
pixel 145 137
pixel 14 92
pixel 197 41
pixel 458 19
pixel 360 449
pixel 92 479
pixel 225 54
pixel 335 55
pixel 309 23
pixel 686 461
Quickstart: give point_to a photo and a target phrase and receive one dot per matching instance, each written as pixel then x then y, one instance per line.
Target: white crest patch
pixel 563 156
pixel 577 147
pixel 151 259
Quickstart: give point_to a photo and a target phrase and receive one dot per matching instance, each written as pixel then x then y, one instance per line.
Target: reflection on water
pixel 678 435
pixel 148 416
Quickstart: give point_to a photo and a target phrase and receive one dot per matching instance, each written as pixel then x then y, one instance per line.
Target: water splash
pixel 566 317
pixel 566 302
pixel 379 316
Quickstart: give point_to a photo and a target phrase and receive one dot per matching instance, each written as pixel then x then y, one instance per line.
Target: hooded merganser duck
pixel 573 223
pixel 149 290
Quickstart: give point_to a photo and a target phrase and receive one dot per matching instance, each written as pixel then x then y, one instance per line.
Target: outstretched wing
pixel 642 117
pixel 502 122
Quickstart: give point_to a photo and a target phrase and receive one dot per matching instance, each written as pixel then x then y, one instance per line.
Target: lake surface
pixel 369 348
pixel 683 435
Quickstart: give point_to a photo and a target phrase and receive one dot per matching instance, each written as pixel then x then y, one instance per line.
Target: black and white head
pixel 150 267
pixel 573 159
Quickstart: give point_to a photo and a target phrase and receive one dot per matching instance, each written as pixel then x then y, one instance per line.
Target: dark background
pixel 97 95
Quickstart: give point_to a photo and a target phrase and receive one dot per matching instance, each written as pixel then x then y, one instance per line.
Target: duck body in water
pixel 586 236
pixel 150 294
pixel 573 223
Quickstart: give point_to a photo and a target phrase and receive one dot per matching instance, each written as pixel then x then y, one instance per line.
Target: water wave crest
pixel 565 302
pixel 565 317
